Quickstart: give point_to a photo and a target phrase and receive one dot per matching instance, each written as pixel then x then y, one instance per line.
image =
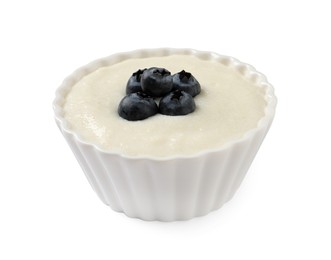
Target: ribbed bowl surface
pixel 172 188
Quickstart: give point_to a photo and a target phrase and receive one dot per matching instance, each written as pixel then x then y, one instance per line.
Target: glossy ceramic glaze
pixel 167 188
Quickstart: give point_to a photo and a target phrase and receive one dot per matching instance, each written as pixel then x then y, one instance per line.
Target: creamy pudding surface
pixel 228 106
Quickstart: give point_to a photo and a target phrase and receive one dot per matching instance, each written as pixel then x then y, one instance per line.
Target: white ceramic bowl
pixel 172 188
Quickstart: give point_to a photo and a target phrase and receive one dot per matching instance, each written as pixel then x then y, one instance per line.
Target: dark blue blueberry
pixel 134 84
pixel 137 106
pixel 156 82
pixel 177 103
pixel 185 81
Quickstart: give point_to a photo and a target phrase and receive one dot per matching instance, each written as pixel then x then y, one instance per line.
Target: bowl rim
pixel 73 78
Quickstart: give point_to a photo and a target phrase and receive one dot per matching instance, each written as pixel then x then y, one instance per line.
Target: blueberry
pixel 156 82
pixel 137 106
pixel 134 84
pixel 177 103
pixel 185 81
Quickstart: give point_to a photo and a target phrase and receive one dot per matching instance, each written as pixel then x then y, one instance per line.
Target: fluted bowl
pixel 166 188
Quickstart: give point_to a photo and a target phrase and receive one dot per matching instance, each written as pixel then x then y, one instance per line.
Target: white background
pixel 47 208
